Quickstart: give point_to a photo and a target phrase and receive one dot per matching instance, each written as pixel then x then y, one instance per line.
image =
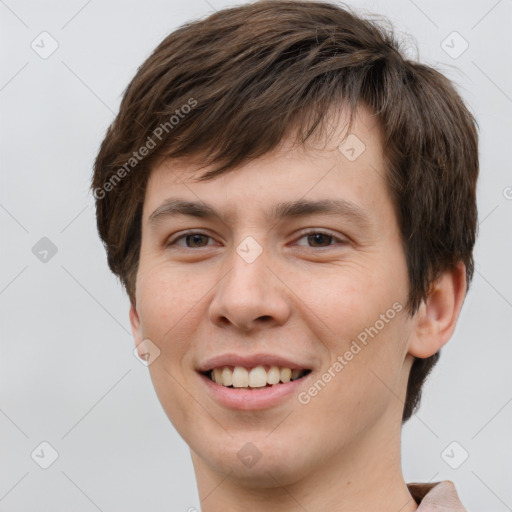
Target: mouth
pixel 256 381
pixel 258 377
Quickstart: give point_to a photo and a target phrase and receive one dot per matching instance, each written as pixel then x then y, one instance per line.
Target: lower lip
pixel 252 399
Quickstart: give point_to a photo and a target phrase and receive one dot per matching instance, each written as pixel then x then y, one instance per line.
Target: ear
pixel 438 314
pixel 135 324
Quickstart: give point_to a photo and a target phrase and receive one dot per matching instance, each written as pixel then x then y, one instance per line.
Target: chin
pixel 257 461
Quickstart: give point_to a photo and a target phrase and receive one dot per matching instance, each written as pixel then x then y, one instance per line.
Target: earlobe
pixel 438 314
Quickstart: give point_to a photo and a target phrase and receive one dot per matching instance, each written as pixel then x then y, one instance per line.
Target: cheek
pixel 363 310
pixel 166 311
pixel 169 304
pixel 348 301
pixel 362 386
pixel 166 296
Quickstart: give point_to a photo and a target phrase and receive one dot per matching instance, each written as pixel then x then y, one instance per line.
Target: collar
pixel 436 497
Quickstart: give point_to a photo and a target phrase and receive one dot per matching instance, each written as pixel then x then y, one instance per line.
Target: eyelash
pixel 302 235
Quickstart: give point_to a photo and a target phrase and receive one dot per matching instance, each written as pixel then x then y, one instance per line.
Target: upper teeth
pixel 258 377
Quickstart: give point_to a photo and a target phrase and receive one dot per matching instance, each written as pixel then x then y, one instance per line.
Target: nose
pixel 250 296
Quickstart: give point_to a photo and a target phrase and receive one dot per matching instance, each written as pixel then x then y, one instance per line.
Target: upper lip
pixel 249 361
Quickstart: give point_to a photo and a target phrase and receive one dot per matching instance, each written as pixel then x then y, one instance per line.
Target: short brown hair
pixel 253 74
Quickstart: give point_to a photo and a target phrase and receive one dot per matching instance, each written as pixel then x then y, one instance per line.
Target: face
pixel 252 289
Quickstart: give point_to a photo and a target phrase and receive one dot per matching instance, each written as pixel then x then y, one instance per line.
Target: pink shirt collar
pixel 436 497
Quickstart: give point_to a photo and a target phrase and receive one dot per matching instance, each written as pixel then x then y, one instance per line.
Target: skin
pixel 303 298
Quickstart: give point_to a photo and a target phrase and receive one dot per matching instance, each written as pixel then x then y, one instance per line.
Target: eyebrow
pixel 173 207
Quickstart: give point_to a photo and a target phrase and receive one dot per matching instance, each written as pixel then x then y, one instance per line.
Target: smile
pixel 255 381
pixel 252 378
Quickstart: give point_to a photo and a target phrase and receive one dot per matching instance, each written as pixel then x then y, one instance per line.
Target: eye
pixel 197 240
pixel 320 239
pixel 192 240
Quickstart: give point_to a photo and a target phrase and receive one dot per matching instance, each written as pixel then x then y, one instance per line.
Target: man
pixel 290 205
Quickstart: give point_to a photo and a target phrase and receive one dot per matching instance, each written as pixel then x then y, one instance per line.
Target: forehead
pixel 333 164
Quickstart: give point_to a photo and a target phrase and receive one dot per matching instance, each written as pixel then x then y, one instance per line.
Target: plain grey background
pixel 68 374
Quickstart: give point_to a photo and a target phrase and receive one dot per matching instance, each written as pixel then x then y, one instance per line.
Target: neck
pixel 366 476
